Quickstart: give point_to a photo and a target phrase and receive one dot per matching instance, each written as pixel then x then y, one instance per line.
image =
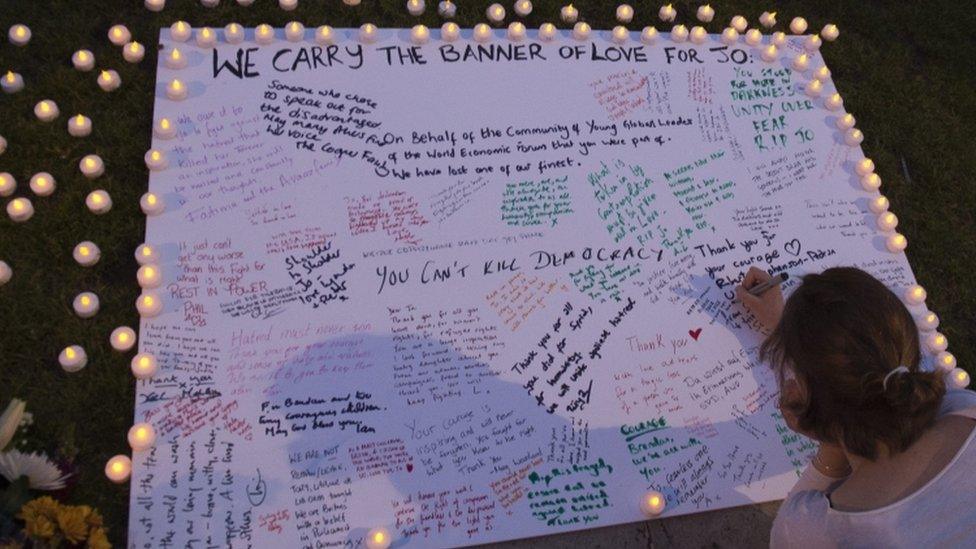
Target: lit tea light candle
pixel 887 222
pixel 653 503
pixel 151 204
pixel 264 34
pixel 85 305
pixel 830 32
pixel 768 19
pixel 72 358
pixel 79 126
pixel 945 361
pixel 959 378
pixel 419 34
pixel 625 13
pixel 288 5
pixel 705 13
pixel 46 110
pixel 98 202
pixel 133 52
pixel 753 37
pixel 495 13
pixel 164 129
pixel 871 182
pixel 378 538
pixel 122 338
pixel 581 30
pixel 864 166
pixel 180 31
pixel 879 204
pixel 812 42
pixel 174 59
pixel 146 255
pixel 144 366
pixel 294 32
pixel 667 13
pixel 118 469
pixel 730 36
pixel 119 35
pixel 141 436
pixel 233 33
pixel 524 7
pixel 516 31
pixel 149 305
pixel 569 14
pixel 798 25
pixel 778 38
pixel 896 243
pixel 20 210
pixel 416 7
pixel 739 23
pixel 801 62
pixel 6 273
pixel 148 276
pixel 482 32
pixel 834 102
pixel 43 184
pixel 769 53
pixel 620 34
pixel 7 184
pixel 83 60
pixel 155 160
pixel 155 5
pixel 91 166
pixel 845 122
pixel 176 90
pixel 109 80
pixel 854 137
pixel 446 9
pixel 822 73
pixel 679 33
pixel 12 82
pixel 698 35
pixel 813 88
pixel 915 294
pixel 368 32
pixel 450 31
pixel 927 322
pixel 649 35
pixel 19 35
pixel 936 342
pixel 206 38
pixel 324 35
pixel 86 253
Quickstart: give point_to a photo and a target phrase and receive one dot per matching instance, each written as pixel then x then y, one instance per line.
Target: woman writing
pixel 896 465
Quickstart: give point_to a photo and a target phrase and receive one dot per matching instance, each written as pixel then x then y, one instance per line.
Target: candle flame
pixel 69 352
pixel 123 337
pixel 20 32
pixel 378 537
pixel 151 199
pixel 175 55
pixel 83 250
pixel 118 467
pixel 85 300
pixel 147 301
pixel 144 362
pixel 18 204
pixel 146 250
pixel 96 198
pixel 10 76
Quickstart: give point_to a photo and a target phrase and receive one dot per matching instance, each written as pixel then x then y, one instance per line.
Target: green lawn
pixel 905 70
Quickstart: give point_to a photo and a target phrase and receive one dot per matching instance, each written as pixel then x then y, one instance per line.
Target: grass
pixel 904 69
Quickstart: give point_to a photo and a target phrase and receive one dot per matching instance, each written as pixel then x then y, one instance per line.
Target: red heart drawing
pixel 695 333
pixel 409 467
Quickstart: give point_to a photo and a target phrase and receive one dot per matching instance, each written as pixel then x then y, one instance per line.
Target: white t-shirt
pixel 942 513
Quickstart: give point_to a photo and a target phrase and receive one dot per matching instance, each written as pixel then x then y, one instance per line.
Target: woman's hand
pixel 768 307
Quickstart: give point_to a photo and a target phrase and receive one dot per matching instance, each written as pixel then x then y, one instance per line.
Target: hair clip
pixel 898 370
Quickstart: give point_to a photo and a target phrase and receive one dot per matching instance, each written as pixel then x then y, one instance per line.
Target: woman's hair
pixel 842 331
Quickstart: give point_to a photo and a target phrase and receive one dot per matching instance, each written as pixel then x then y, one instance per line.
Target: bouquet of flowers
pixel 40 522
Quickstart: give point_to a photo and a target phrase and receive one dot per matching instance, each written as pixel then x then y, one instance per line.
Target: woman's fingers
pixel 755 276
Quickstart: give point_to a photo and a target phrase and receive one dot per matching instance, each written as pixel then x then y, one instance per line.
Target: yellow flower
pixel 72 522
pixel 39 528
pixel 94 518
pixel 41 507
pixel 98 540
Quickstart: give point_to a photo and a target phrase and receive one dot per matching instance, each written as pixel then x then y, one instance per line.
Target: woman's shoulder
pixel 801 516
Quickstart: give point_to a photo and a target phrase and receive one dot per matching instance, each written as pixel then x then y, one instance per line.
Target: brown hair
pixel 842 331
